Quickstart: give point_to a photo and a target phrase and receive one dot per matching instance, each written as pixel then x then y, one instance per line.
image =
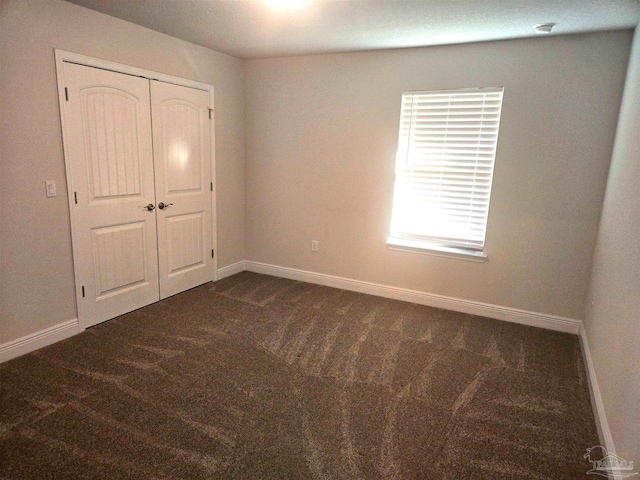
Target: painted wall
pixel 36 267
pixel 321 139
pixel 613 320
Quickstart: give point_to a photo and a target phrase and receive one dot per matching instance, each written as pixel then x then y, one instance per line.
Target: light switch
pixel 50 188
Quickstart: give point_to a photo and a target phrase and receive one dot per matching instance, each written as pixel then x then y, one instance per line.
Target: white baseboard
pixel 231 269
pixel 551 322
pixel 34 341
pixel 37 340
pixel 602 424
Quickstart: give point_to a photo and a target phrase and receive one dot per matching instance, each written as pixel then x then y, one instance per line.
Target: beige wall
pixel 36 268
pixel 613 321
pixel 321 137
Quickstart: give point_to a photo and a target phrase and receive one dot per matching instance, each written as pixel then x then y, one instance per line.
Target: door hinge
pixel 210 110
pixel 212 186
pixel 212 254
pixel 83 291
pixel 66 94
pixel 75 197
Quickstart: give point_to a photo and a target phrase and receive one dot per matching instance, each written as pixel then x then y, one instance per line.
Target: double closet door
pixel 138 155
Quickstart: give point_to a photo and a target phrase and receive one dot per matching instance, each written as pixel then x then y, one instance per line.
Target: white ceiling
pixel 253 29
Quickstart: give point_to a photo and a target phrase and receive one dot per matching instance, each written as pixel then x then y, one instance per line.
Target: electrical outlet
pixel 314 245
pixel 50 188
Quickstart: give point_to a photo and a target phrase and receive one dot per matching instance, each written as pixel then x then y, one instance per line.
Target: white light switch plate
pixel 50 187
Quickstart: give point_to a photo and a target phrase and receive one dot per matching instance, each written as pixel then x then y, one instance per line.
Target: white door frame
pixel 61 57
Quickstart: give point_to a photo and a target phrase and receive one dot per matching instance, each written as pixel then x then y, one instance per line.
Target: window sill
pixel 415 246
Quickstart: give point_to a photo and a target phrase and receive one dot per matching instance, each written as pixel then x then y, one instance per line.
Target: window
pixel 444 168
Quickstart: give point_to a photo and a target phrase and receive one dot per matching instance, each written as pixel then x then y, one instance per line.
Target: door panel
pixel 118 254
pixel 182 146
pixel 185 235
pixel 108 142
pixel 111 132
pixel 181 150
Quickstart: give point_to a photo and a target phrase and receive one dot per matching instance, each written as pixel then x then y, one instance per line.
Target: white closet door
pixel 108 142
pixel 182 152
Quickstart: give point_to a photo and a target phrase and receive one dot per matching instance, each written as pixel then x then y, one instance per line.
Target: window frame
pixel 467 246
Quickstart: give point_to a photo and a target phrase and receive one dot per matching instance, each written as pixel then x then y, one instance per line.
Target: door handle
pixel 162 205
pixel 150 207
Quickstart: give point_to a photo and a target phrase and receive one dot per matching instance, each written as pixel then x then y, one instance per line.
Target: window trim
pixel 405 241
pixel 427 248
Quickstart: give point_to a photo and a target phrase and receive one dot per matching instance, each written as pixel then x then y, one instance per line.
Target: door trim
pixel 62 56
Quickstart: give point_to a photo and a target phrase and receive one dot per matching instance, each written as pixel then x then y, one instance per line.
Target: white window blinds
pixel 444 166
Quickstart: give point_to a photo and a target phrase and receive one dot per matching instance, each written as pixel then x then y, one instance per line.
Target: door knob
pixel 150 207
pixel 162 205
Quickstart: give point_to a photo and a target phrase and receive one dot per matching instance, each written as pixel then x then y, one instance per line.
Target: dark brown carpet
pixel 257 377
